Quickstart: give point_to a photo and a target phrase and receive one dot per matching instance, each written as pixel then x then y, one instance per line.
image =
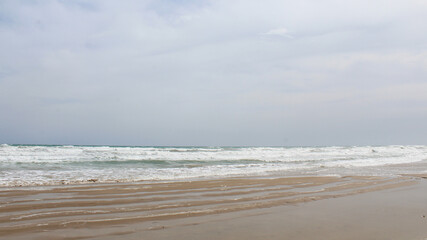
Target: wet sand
pixel 231 208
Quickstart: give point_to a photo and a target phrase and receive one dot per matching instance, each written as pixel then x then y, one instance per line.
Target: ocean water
pixel 27 165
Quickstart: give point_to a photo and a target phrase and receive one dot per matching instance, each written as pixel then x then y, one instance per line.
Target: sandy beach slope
pixel 231 208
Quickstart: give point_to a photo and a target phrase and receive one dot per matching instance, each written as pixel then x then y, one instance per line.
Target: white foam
pixel 47 165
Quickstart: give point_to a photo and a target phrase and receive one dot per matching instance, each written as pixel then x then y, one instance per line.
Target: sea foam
pixel 49 165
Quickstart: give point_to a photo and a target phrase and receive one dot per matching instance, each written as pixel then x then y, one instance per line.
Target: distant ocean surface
pixel 28 165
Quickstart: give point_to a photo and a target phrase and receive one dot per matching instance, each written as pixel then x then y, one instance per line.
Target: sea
pixel 33 165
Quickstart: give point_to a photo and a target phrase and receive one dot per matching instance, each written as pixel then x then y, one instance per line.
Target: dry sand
pixel 232 208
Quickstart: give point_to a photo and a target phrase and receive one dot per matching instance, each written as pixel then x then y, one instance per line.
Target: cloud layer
pixel 213 72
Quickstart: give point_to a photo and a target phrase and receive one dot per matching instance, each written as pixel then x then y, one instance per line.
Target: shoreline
pixel 62 165
pixel 77 211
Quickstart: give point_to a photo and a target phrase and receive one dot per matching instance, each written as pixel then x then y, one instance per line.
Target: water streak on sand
pixel 105 205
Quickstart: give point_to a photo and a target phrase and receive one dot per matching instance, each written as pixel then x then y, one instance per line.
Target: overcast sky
pixel 220 72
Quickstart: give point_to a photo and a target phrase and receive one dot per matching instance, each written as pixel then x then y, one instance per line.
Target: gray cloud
pixel 213 72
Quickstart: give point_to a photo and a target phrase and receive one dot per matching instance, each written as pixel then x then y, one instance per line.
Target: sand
pixel 232 208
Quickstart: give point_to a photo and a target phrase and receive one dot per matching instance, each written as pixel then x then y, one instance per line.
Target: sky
pixel 213 73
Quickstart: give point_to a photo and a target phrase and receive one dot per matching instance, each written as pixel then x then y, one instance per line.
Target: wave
pixel 34 164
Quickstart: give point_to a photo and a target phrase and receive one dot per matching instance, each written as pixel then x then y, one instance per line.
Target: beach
pixel 213 120
pixel 309 207
pixel 111 192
